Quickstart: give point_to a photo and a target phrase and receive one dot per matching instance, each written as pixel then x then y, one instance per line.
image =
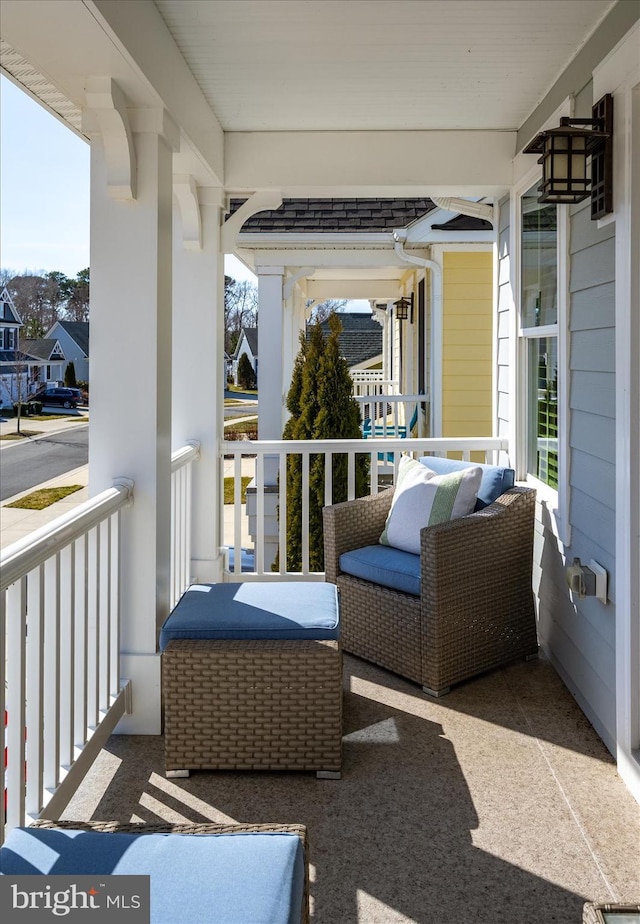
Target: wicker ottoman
pixel 252 679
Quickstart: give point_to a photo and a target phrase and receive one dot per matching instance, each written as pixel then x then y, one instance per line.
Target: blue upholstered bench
pixel 252 678
pixel 199 874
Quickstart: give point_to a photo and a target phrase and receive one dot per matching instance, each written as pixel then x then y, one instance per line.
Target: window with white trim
pixel 539 328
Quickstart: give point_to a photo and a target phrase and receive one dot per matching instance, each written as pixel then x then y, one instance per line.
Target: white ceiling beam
pixel 323 289
pixel 319 258
pixel 397 163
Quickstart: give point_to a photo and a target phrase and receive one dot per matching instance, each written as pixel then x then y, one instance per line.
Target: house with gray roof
pixel 247 343
pixel 360 339
pixel 74 340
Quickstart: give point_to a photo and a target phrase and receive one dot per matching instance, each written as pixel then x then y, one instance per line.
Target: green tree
pixel 322 407
pixel 246 375
pixel 70 375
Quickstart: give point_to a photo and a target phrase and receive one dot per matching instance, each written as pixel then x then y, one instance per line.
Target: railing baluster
pixel 282 506
pixel 51 672
pixel 65 672
pixel 35 691
pixel 81 602
pixel 15 700
pixel 103 625
pixel 305 513
pixel 259 558
pixel 92 629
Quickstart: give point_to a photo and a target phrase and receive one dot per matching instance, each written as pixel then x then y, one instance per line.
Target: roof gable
pixel 8 313
pixel 77 330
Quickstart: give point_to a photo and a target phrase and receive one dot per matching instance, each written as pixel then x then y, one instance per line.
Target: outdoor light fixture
pixel 565 151
pixel 401 308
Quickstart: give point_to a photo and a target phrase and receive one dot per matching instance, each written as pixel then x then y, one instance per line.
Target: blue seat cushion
pixel 255 610
pixel 194 878
pixel 383 564
pixel 495 479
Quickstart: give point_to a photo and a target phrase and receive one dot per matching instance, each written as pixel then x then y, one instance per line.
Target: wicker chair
pixel 475 610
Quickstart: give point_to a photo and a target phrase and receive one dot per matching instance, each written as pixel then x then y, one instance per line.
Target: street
pixel 28 463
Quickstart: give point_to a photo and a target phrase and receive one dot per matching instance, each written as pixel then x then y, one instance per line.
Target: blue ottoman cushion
pixel 224 878
pixel 495 481
pixel 255 610
pixel 383 564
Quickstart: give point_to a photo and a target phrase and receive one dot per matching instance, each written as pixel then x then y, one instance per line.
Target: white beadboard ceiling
pixel 282 65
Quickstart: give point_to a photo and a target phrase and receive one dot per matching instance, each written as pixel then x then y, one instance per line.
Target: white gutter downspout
pixel 435 378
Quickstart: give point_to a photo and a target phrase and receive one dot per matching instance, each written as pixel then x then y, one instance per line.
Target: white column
pixel 130 428
pixel 271 362
pixel 198 371
pixel 270 352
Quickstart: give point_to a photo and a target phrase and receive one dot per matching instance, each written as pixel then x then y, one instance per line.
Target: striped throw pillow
pixel 422 498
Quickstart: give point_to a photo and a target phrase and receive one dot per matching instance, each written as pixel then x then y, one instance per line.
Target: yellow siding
pixel 467 336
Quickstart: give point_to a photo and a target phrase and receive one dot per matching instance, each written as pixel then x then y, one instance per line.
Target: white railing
pixel 372 383
pixel 60 686
pixel 181 503
pixel 267 510
pixel 394 415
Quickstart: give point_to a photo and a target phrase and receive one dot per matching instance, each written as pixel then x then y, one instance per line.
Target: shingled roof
pixel 41 348
pixel 78 331
pixel 360 339
pixel 335 215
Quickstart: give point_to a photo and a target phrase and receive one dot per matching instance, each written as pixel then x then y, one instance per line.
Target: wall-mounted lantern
pixel 564 153
pixel 401 308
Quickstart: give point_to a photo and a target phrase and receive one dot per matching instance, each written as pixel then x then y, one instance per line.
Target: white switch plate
pixel 601 580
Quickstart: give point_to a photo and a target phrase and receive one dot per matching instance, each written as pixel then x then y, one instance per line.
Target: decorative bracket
pixel 466 207
pixel 186 192
pixel 107 101
pixel 265 199
pixel 296 273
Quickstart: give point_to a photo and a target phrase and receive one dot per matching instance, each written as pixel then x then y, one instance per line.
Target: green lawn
pixel 38 500
pixel 229 489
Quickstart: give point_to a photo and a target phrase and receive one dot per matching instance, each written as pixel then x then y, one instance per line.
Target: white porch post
pixel 270 351
pixel 271 361
pixel 130 429
pixel 198 365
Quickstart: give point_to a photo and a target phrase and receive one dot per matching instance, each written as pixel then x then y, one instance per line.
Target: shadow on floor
pixel 390 842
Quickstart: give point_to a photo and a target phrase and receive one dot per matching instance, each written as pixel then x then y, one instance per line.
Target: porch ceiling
pixel 377 65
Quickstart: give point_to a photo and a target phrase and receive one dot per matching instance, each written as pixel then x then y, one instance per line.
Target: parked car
pixel 63 397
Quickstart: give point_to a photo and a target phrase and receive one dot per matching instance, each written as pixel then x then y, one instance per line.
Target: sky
pixel 44 191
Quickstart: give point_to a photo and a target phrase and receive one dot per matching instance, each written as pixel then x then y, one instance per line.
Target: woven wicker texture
pixel 253 705
pixel 592 913
pixel 476 609
pixel 115 827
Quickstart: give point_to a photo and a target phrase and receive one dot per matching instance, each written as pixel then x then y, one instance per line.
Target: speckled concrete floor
pixel 497 804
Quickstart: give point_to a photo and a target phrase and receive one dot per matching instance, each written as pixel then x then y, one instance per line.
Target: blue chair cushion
pixel 255 610
pixel 383 564
pixel 194 878
pixel 495 479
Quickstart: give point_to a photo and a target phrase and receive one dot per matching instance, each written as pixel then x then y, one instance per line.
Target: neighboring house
pixel 74 340
pixel 45 360
pixel 24 364
pixel 247 343
pixel 13 378
pixel 360 339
